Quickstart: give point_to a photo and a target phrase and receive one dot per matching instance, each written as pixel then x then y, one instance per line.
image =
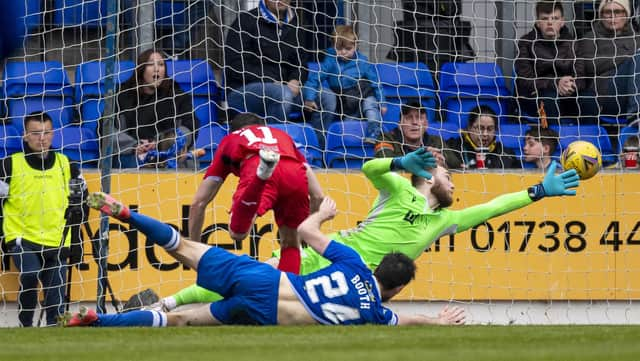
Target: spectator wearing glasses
pixel 608 55
pixel 477 147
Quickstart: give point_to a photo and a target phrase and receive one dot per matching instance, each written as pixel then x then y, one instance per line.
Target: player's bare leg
pixel 197 316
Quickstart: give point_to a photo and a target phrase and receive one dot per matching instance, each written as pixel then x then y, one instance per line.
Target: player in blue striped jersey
pixel 345 293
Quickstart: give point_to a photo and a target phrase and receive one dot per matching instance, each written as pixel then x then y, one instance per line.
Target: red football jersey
pixel 247 142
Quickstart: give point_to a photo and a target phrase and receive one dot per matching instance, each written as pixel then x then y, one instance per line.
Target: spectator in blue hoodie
pixel 352 80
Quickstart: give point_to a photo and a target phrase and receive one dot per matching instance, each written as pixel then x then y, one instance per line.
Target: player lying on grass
pixel 346 292
pixel 408 216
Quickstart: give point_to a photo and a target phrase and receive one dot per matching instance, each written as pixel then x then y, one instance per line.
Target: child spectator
pixel 539 146
pixel 546 68
pixel 353 79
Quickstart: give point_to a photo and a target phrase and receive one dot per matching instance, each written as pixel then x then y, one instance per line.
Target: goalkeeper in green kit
pixel 408 216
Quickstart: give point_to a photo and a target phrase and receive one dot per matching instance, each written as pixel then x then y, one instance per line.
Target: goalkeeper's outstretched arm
pixel 553 185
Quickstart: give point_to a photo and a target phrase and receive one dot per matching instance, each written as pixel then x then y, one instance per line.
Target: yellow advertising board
pixel 581 248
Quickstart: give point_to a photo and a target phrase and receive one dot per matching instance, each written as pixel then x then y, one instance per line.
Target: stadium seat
pixel 209 138
pixel 171 13
pixel 512 136
pixel 88 13
pixel 89 88
pixel 613 120
pixel 78 143
pixel 402 82
pixel 37 86
pixel 344 145
pixel 10 140
pixel 631 129
pixel 444 130
pixel 34 13
pixel 306 140
pixel 591 133
pixel 464 86
pixel 197 77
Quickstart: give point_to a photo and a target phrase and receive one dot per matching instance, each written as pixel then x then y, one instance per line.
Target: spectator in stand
pixel 628 157
pixel 477 146
pixel 608 55
pixel 265 59
pixel 539 145
pixel 39 189
pixel 411 134
pixel 155 118
pixel 353 80
pixel 546 68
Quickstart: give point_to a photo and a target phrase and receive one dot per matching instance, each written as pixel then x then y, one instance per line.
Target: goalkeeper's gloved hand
pixel 416 162
pixel 555 184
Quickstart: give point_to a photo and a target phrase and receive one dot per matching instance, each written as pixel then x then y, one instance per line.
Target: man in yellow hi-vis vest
pixel 35 185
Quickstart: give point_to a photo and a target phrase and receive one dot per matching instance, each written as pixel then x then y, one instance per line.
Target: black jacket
pixel 603 51
pixel 391 144
pixel 541 62
pixel 464 151
pixel 149 116
pixel 258 50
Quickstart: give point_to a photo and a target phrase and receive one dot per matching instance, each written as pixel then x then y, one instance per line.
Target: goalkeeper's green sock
pixel 195 294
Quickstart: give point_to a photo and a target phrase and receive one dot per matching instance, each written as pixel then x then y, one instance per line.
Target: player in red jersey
pixel 273 175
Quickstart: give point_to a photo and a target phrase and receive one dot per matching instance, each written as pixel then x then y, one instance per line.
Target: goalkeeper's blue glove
pixel 416 162
pixel 555 184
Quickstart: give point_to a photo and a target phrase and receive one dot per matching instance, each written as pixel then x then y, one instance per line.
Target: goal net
pixel 560 260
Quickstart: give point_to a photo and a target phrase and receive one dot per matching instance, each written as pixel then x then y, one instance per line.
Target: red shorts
pixel 286 192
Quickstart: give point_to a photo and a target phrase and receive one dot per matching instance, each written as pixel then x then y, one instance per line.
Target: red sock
pixel 290 260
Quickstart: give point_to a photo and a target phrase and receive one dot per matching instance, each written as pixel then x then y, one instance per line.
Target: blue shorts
pixel 249 287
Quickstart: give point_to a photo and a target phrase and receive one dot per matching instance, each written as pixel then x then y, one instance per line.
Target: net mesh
pixel 559 260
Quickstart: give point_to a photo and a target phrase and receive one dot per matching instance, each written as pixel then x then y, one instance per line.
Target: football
pixel 582 156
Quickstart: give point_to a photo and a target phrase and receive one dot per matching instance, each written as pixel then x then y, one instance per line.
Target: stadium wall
pixel 580 248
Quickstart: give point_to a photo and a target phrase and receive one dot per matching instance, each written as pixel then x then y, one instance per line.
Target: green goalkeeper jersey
pixel 402 221
pixel 399 221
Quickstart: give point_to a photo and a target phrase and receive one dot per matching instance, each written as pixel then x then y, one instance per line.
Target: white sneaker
pixel 268 161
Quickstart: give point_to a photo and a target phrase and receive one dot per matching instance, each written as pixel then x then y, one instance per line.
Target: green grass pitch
pixel 478 343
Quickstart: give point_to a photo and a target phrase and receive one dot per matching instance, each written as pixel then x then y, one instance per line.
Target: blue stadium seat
pixel 197 77
pixel 613 120
pixel 306 140
pixel 444 130
pixel 172 13
pixel 344 145
pixel 631 129
pixel 591 133
pixel 10 140
pixel 209 138
pixel 512 136
pixel 33 13
pixel 78 143
pixel 402 82
pixel 464 86
pixel 37 86
pixel 89 88
pixel 88 13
